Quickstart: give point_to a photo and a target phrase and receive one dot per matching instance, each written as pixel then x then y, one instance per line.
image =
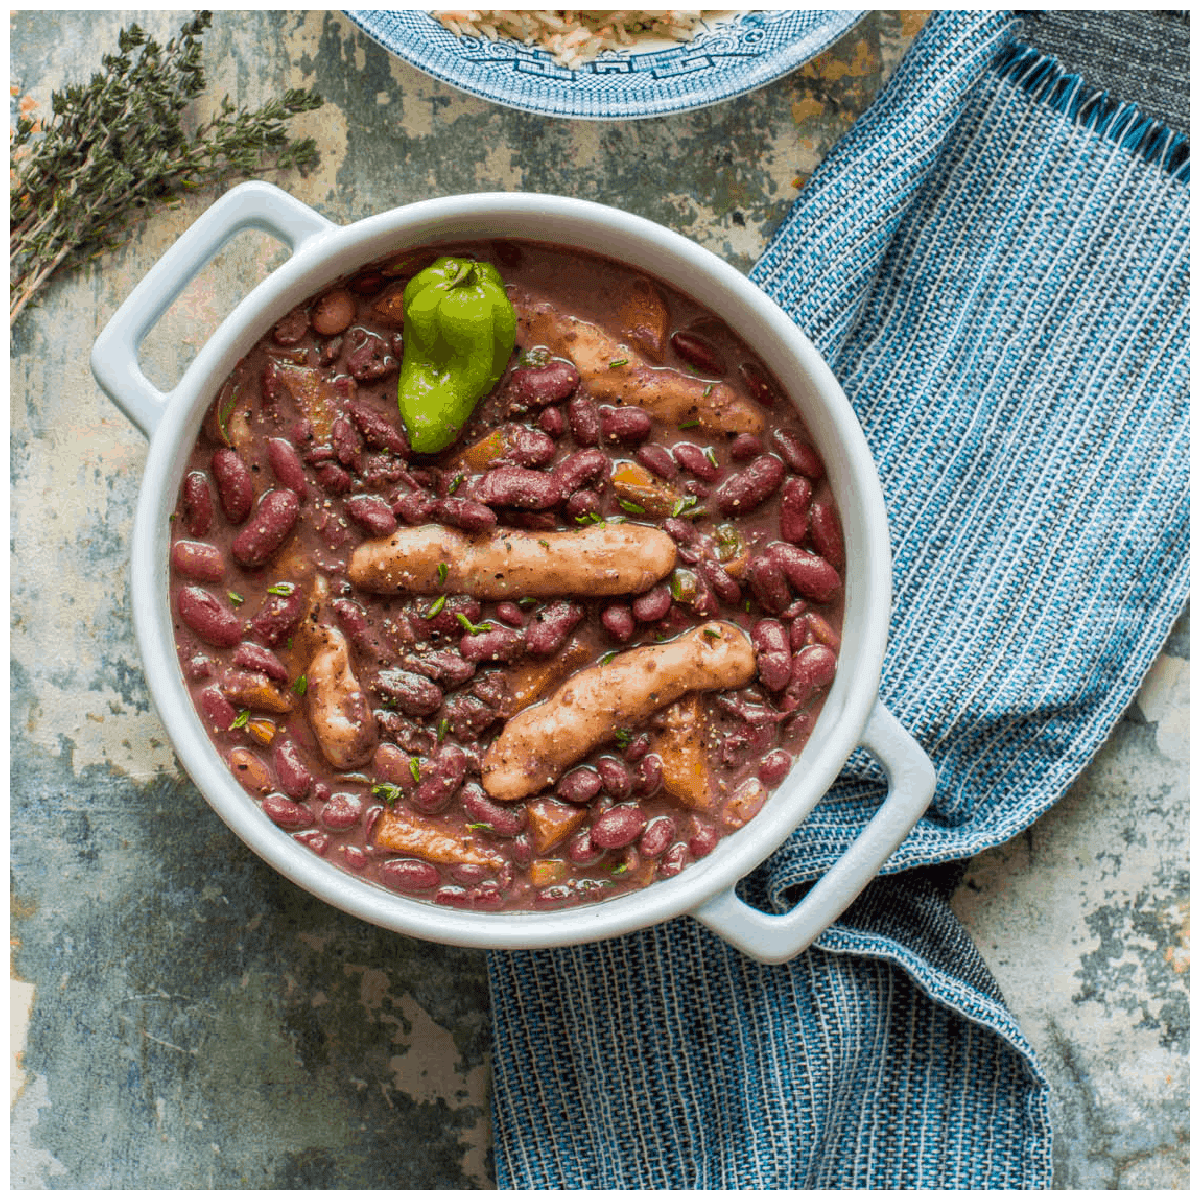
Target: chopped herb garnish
pixel 619 362
pixel 224 413
pixel 630 506
pixel 619 869
pixel 712 635
pixel 747 605
pixel 543 543
pixel 681 506
pixel 623 737
pixel 466 623
pixel 239 722
pixel 236 598
pixel 301 685
pixel 527 601
pixel 616 520
pixel 436 607
pixel 281 589
pixel 388 792
pixel 414 769
pixel 481 825
pixel 606 658
pixel 443 729
pixel 442 571
pixel 708 390
pixel 454 484
pixel 711 455
pixel 660 637
pixel 689 425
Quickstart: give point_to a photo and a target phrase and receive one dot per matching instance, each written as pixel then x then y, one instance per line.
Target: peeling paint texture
pixel 181 1016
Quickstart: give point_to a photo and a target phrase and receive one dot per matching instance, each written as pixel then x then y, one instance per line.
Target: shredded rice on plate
pixel 573 36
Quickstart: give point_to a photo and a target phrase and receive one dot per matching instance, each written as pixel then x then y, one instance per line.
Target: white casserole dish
pixel 852 716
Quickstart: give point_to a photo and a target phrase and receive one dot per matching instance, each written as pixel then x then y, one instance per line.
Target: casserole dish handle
pixel 772 938
pixel 114 360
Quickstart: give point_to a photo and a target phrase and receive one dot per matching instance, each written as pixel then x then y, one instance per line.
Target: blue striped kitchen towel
pixel 994 260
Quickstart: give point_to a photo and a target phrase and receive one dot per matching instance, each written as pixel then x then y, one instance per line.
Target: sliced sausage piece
pixel 614 372
pixel 338 709
pixel 598 560
pixel 540 743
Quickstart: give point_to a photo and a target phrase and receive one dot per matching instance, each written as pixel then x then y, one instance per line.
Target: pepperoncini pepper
pixel 459 331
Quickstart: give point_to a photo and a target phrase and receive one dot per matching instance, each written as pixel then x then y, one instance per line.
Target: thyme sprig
pixel 118 144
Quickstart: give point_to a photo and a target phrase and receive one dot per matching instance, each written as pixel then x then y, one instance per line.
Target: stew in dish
pixel 558 650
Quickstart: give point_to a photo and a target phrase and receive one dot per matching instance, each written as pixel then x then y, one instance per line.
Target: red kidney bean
pixel 550 421
pixel 467 873
pixel 269 382
pixel 446 667
pixel 447 620
pixel 657 836
pixel 757 384
pixel 497 644
pixel 745 447
pixel 652 605
pixel 293 327
pixel 198 560
pixel 510 613
pixel 343 812
pixel 770 640
pixel 618 827
pixel 467 515
pixel 378 432
pixel 235 489
pixel 657 459
pixel 487 896
pixel 637 749
pixel 518 487
pixel 800 457
pixel 536 387
pixel 520 850
pixel 293 776
pixel 813 668
pixel 286 813
pixel 558 893
pixel 692 458
pixel 287 467
pixel 617 619
pixel 704 840
pixel 614 774
pixel 368 283
pixel 826 532
pixel 210 619
pixel 333 312
pixel 581 504
pixel 441 777
pixel 414 508
pixel 372 513
pixel 525 447
pixel 409 875
pixel 674 860
pixel 720 581
pixel 551 626
pixel 751 486
pixel 197 504
pixel 796 609
pixel 793 509
pixel 198 667
pixel 624 424
pixel 217 710
pixel 649 776
pixel 799 633
pixel 682 532
pixel 808 573
pixel 258 658
pixel 333 478
pixel 369 357
pixel 579 786
pixel 584 421
pixel 768 583
pixel 698 351
pixel 452 896
pixel 316 841
pixel 276 618
pixel 272 523
pixel 582 851
pixel 584 466
pixel 414 695
pixel 504 820
pixel 347 444
pixel 774 767
pixel 356 860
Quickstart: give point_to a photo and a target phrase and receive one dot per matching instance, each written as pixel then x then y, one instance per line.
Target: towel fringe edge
pixel 1045 80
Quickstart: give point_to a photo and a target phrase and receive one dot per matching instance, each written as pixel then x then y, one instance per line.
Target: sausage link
pixel 539 743
pixel 338 710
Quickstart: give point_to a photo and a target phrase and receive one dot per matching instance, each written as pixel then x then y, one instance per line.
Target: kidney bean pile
pixel 367 719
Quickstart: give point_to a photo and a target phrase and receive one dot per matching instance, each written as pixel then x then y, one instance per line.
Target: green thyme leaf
pixel 619 362
pixel 466 623
pixel 630 506
pixel 443 570
pixel 236 598
pixel 708 390
pixel 623 737
pixel 281 589
pixel 454 484
pixel 301 685
pixel 240 721
pixel 481 825
pixel 436 607
pixel 606 658
pixel 443 729
pixel 414 768
pixel 388 792
pixel 711 455
pixel 688 425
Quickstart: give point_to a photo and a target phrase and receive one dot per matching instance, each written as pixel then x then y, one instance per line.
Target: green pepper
pixel 459 332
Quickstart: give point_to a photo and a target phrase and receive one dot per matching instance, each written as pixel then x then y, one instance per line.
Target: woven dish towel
pixel 994 261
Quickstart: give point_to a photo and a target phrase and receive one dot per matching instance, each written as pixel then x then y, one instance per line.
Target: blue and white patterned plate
pixel 734 53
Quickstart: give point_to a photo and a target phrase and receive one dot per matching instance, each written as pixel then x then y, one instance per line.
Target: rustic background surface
pixel 182 1016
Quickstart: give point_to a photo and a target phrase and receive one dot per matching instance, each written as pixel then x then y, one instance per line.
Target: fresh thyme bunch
pixel 119 144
